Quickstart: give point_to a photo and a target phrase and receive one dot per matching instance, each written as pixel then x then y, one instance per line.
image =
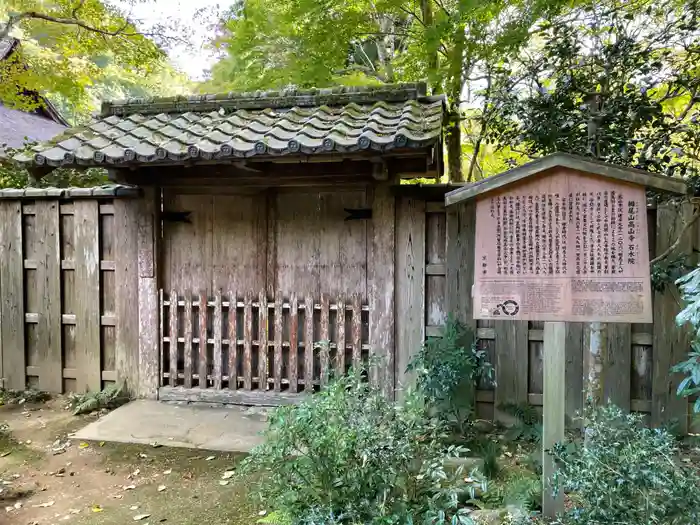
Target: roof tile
pixel 176 129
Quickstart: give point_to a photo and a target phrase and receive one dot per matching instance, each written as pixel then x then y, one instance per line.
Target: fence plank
pixel 173 331
pixel 617 376
pixel 293 343
pixel 460 262
pixel 670 343
pixel 574 373
pixel 48 288
pixel 356 332
pixel 263 316
pixel 203 365
pixel 232 341
pixel 12 297
pixel 278 341
pixel 380 280
pixel 308 343
pixel 124 237
pixel 161 335
pixel 248 341
pixel 340 337
pixel 325 338
pixel 218 352
pixel 187 358
pixel 511 349
pixel 410 282
pixel 87 295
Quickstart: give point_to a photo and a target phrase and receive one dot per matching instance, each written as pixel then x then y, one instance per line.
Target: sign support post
pixel 554 405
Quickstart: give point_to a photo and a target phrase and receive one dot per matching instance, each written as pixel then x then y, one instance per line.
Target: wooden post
pixel 149 346
pixel 554 407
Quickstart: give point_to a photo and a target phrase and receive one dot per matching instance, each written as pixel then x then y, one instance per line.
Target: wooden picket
pixel 288 346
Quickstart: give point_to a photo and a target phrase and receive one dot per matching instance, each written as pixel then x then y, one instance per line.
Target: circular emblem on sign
pixel 509 307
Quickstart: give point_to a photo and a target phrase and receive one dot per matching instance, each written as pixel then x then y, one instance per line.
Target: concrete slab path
pixel 229 429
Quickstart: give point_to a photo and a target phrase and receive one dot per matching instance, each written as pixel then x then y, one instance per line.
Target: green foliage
pixel 111 397
pixel 489 451
pixel 528 422
pixel 626 473
pixel 689 286
pixel 628 69
pixel 19 397
pixel 447 370
pixel 667 271
pixel 276 518
pixel 349 455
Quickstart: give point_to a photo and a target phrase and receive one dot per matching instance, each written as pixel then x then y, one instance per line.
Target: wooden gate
pixel 248 349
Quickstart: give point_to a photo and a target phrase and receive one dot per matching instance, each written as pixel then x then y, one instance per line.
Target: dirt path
pixel 45 482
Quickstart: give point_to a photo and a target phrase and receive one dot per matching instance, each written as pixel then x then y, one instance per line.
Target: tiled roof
pixel 16 126
pixel 107 191
pixel 218 127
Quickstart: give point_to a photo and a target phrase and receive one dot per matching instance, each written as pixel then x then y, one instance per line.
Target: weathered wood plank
pixel 511 348
pixel 670 343
pixel 554 412
pixel 126 294
pixel 356 332
pixel 325 338
pixel 235 397
pixel 263 316
pixel 380 278
pixel 410 283
pixel 340 337
pixel 293 343
pixel 232 341
pixel 574 373
pixel 270 229
pixel 173 334
pixel 48 288
pixel 12 296
pixel 161 338
pixel 309 343
pixel 248 341
pixel 617 376
pixel 149 346
pixel 218 350
pixel 279 326
pixel 461 224
pixel 203 362
pixel 187 358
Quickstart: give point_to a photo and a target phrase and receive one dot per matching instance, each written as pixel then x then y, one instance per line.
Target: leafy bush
pixel 527 425
pixel 627 474
pixel 19 397
pixel 690 291
pixel 111 397
pixel 447 370
pixel 349 455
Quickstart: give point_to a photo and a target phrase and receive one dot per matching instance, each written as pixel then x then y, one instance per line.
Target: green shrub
pixel 448 369
pixel 111 397
pixel 349 455
pixel 690 291
pixel 627 474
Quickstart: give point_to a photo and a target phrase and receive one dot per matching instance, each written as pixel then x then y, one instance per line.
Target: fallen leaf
pixel 5 454
pixel 140 517
pixel 156 445
pixel 117 496
pixel 129 487
pixel 102 443
pixel 134 507
pixel 136 472
pixel 210 458
pixel 18 505
pixel 142 455
pixel 84 445
pixel 223 482
pixel 169 471
pixel 262 513
pixel 44 505
pixel 28 442
pixel 74 511
pixel 161 488
pixel 96 508
pixel 228 474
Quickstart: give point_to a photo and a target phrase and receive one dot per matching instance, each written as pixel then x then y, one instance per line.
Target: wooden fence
pixel 246 345
pixel 59 275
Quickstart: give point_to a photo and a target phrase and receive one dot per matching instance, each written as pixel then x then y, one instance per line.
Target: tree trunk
pixel 454 148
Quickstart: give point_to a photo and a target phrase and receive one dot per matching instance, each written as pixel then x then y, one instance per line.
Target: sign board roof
pixel 573 162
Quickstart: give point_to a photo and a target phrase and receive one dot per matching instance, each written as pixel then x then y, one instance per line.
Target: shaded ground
pixel 45 483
